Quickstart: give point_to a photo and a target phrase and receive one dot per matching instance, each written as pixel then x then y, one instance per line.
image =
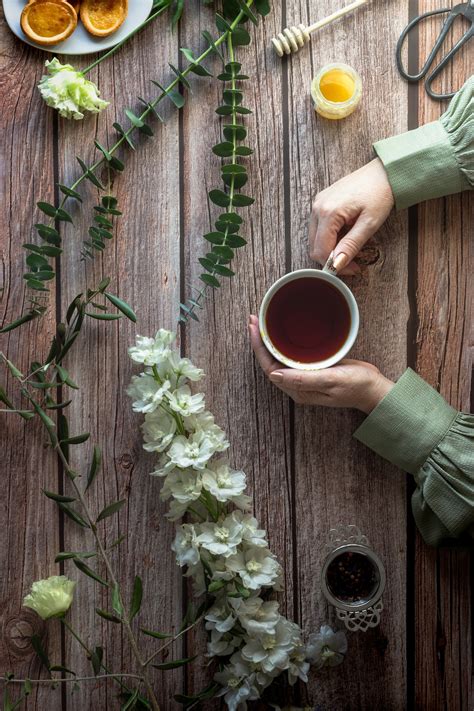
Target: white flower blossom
pixel 176 510
pixel 222 644
pixel 255 615
pixel 147 393
pixel 222 482
pixel 271 651
pixel 299 666
pixel 219 617
pixel 204 422
pixel 67 90
pixel 251 533
pixel 152 351
pixel 183 368
pixel 257 567
pixel 222 537
pixel 184 485
pixel 326 647
pixel 184 402
pixel 51 597
pixel 238 683
pixel 194 451
pixel 158 431
pixel 185 545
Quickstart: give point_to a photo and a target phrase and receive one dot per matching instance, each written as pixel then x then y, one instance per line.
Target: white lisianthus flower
pixel 326 647
pixel 152 351
pixel 251 533
pixel 219 571
pixel 193 452
pixel 222 482
pixel 147 393
pixel 204 422
pixel 51 597
pixel 271 651
pixel 256 616
pixel 67 90
pixel 158 431
pixel 184 402
pixel 257 567
pixel 185 545
pixel 221 538
pixel 184 485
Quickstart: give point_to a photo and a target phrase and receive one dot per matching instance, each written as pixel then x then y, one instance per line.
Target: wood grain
pixel 30 526
pixel 444 357
pixel 304 470
pixel 143 260
pixel 251 412
pixel 337 479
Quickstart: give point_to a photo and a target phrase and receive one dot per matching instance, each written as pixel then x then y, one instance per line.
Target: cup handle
pixel 329 266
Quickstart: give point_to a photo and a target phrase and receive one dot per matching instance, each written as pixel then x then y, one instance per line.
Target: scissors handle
pixel 437 44
pixel 437 70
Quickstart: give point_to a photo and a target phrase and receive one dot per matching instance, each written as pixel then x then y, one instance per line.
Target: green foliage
pixel 225 240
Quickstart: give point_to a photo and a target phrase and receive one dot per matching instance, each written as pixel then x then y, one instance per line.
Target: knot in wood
pixel 18 630
pixel 126 460
pixel 369 255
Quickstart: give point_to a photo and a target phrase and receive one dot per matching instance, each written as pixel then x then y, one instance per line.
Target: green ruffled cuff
pixel 414 428
pixel 436 159
pixel 408 423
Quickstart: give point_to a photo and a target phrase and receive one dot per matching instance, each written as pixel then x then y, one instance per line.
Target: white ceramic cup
pixel 349 299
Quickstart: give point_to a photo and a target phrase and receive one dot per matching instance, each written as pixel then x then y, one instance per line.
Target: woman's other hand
pixel 350 383
pixel 355 206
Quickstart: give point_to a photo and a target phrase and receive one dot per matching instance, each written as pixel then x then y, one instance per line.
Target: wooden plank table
pixel 305 471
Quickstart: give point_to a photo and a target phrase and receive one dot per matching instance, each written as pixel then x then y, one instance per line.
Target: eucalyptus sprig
pixel 40 269
pixel 226 238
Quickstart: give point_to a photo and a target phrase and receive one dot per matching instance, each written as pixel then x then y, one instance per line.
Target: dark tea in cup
pixel 309 319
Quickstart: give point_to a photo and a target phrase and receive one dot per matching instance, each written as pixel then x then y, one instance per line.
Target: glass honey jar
pixel 336 91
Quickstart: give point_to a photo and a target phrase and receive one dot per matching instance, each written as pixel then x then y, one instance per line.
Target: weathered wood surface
pixel 305 471
pixel 443 255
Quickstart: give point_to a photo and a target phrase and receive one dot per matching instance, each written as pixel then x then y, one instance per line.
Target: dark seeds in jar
pixel 351 577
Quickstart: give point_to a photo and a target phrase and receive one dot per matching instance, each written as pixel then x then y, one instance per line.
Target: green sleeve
pixel 436 159
pixel 414 428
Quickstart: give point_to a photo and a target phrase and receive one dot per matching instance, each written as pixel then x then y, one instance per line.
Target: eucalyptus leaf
pixel 156 635
pixel 218 197
pixel 116 601
pixel 121 306
pixel 137 595
pixel 58 497
pixel 84 568
pixel 242 200
pixel 77 439
pixel 96 659
pixel 103 317
pixel 210 280
pixel 73 515
pixel 95 466
pixel 110 509
pixel 174 664
pixel 70 192
pixel 108 616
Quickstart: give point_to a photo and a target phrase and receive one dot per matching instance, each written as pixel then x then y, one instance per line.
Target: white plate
pixel 80 42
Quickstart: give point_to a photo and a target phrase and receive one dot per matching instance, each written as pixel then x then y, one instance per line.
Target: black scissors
pixel 464 9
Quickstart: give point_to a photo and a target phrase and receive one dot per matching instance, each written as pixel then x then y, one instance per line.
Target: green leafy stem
pixel 40 269
pixel 225 239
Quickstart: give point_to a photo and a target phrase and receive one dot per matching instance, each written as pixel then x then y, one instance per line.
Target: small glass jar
pixel 336 91
pixel 353 578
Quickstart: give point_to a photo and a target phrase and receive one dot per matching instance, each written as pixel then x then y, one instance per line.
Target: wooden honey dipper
pixel 293 38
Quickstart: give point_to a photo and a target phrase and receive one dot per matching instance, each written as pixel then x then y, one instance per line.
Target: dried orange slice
pixel 102 17
pixel 48 22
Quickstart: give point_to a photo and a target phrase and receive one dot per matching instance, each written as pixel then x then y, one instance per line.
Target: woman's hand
pixel 351 383
pixel 357 206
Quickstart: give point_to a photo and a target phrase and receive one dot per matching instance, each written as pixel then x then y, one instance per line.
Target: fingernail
pixel 340 261
pixel 276 377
